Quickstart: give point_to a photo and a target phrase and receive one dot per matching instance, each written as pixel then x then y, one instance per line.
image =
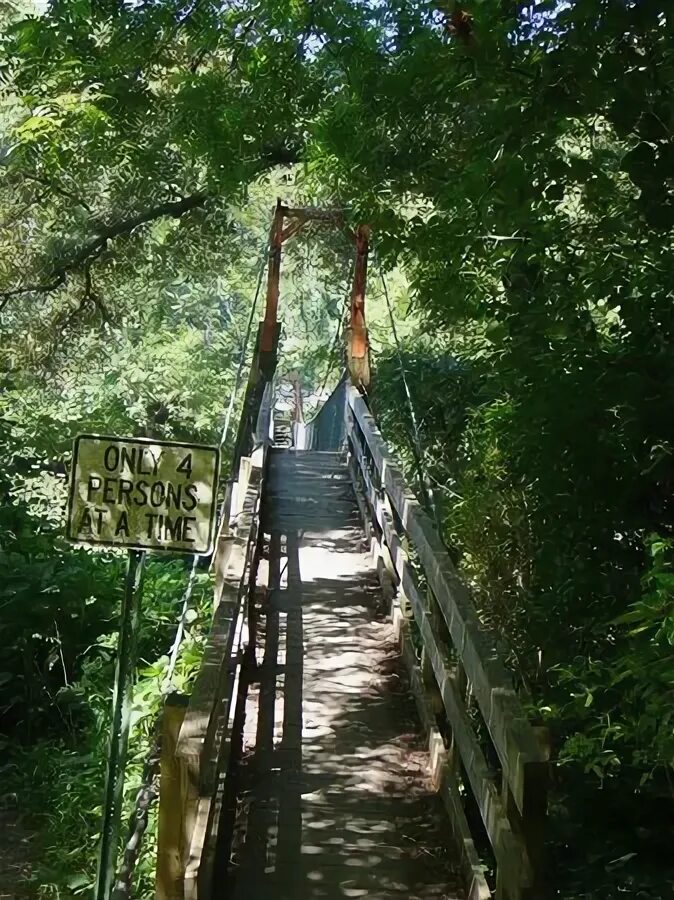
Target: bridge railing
pixel 196 744
pixel 464 693
pixel 326 431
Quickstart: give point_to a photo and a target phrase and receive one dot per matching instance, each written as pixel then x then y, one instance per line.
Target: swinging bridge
pixel 352 731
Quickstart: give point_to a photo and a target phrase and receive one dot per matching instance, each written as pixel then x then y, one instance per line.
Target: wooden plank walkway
pixel 333 797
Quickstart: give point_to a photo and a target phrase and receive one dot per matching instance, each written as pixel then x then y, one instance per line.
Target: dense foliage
pixel 519 170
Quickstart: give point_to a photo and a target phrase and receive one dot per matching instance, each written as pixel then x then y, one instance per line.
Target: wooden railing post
pixel 174 800
pixel 533 829
pixel 460 684
pixel 427 671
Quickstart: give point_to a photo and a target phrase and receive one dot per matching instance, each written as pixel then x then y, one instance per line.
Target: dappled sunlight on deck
pixel 333 796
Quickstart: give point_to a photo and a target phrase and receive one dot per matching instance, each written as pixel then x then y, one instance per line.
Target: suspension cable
pixel 417 450
pixel 146 794
pixel 187 595
pixel 332 355
pixel 244 349
pixel 341 324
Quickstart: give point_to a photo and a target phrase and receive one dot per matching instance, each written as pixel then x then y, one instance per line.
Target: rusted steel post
pixel 267 342
pixel 357 342
pixel 358 330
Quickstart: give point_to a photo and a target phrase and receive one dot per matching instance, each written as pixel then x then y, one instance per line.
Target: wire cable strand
pixel 147 793
pixel 417 450
pixel 187 595
pixel 244 351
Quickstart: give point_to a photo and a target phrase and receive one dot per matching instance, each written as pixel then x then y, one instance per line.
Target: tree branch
pixel 43 288
pixel 89 296
pixel 94 247
pixel 15 216
pixel 58 189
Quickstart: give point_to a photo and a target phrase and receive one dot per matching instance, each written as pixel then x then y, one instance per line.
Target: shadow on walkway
pixel 333 800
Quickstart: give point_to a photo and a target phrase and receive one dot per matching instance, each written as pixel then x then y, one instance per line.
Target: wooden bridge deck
pixel 333 798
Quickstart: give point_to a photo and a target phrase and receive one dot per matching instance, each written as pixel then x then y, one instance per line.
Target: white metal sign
pixel 143 494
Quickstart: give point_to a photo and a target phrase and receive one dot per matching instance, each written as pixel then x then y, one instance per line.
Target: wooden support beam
pixel 173 830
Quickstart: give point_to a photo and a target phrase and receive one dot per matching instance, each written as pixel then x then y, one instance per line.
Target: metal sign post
pixel 139 495
pixel 121 715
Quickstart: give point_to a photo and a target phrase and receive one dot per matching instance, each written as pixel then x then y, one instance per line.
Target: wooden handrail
pixel 513 816
pixel 203 742
pixel 190 821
